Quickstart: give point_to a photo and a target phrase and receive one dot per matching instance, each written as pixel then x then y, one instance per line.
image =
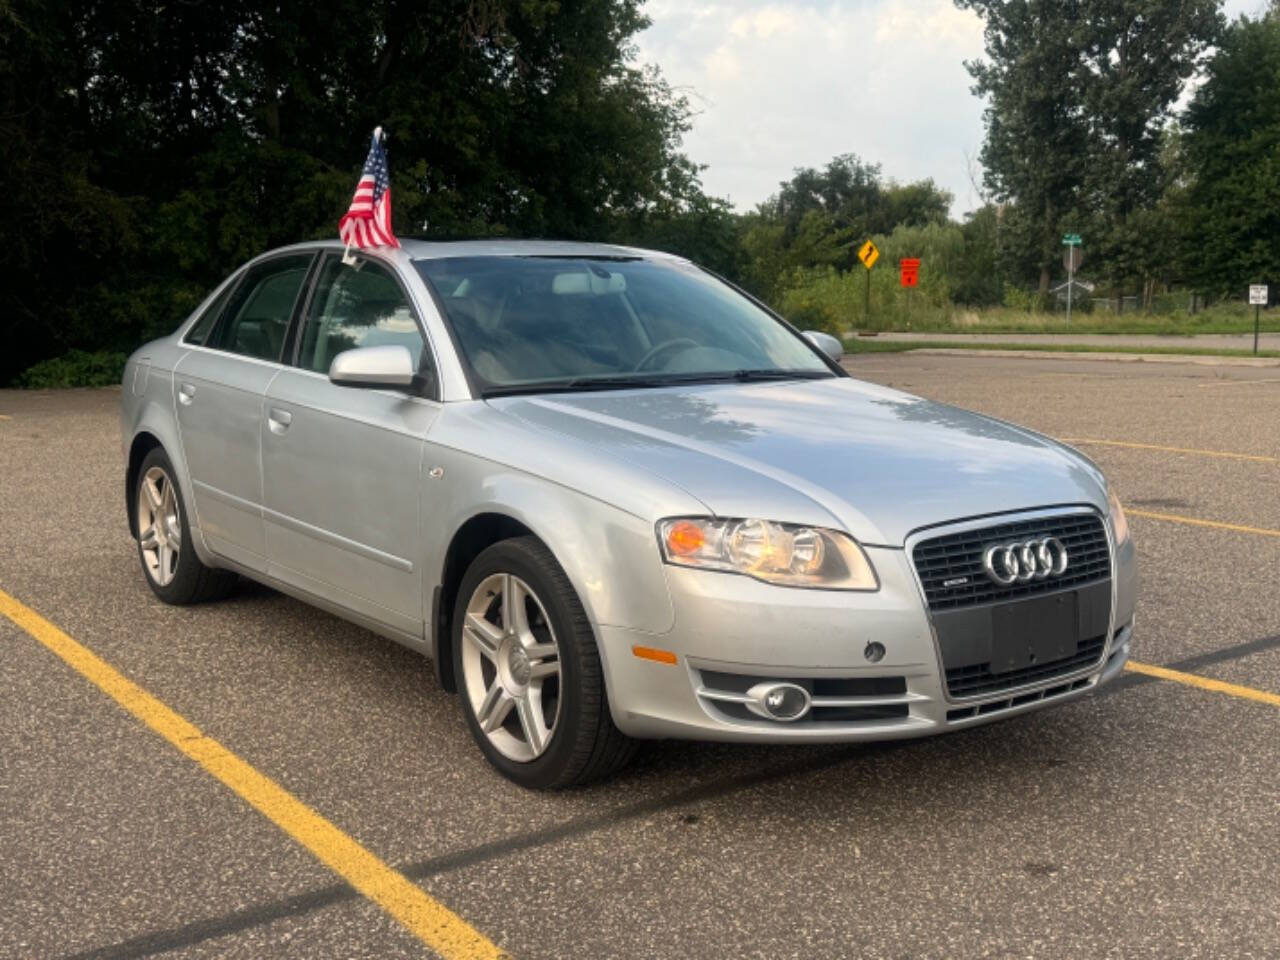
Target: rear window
pixel 256 319
pixel 199 331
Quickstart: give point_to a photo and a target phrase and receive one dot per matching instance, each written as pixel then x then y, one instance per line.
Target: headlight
pixel 781 553
pixel 1119 522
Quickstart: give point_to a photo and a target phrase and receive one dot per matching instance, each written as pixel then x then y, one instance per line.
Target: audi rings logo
pixel 1024 561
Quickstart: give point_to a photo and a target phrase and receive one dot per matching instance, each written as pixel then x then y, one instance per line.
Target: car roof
pixel 500 247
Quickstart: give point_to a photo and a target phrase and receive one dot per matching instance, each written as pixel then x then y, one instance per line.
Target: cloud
pixel 778 86
pixel 782 85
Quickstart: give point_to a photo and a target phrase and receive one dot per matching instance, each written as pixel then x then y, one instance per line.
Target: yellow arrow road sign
pixel 869 254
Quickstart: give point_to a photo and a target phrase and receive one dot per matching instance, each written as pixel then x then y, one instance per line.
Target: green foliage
pixel 979 277
pixel 148 153
pixel 1016 298
pixel 835 300
pixel 819 218
pixel 155 152
pixel 1231 216
pixel 852 199
pixel 806 309
pixel 1078 96
pixel 75 368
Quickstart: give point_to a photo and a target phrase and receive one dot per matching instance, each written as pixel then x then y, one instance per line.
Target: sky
pixel 776 86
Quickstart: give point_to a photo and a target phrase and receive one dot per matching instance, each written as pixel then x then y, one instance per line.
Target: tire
pixel 169 562
pixel 499 664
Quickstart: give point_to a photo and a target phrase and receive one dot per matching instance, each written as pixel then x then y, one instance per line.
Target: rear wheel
pixel 530 679
pixel 174 572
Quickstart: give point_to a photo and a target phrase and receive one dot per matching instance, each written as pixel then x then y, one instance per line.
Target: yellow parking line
pixel 1193 521
pixel 1204 683
pixel 5 416
pixel 426 918
pixel 1154 446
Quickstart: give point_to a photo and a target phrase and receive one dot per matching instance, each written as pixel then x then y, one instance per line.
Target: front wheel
pixel 174 572
pixel 530 679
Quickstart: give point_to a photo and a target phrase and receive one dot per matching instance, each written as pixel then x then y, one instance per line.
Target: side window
pixel 256 319
pixel 356 308
pixel 200 329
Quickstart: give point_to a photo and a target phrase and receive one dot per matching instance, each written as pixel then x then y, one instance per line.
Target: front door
pixel 218 393
pixel 342 465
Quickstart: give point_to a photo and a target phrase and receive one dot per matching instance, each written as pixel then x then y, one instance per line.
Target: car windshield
pixel 530 324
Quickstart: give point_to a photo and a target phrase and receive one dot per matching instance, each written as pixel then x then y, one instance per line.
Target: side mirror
pixel 825 342
pixel 376 367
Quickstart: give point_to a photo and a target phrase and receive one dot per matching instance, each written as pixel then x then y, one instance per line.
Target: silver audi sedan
pixel 613 497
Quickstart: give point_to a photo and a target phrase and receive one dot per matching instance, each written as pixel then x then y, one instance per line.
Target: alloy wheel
pixel 511 667
pixel 159 526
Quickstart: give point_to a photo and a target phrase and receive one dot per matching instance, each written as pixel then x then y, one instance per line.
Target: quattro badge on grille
pixel 1025 560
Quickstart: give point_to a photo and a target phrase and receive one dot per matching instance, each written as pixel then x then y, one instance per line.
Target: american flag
pixel 368 219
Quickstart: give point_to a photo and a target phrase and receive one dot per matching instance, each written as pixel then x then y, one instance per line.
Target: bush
pixel 75 368
pixel 806 313
pixel 1015 298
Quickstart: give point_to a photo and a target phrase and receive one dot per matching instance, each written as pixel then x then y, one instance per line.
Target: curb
pixel 1204 360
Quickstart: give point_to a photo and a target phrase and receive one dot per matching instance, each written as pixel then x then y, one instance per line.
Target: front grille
pixel 977 679
pixel 818 714
pixel 956 559
pixel 999 706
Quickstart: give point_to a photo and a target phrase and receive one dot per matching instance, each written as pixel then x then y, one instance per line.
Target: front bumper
pixel 732 631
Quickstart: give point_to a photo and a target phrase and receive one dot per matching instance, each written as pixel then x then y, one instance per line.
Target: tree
pixel 1231 219
pixel 150 147
pixel 1137 57
pixel 979 279
pixel 854 198
pixel 1079 92
pixel 1035 153
pixel 819 218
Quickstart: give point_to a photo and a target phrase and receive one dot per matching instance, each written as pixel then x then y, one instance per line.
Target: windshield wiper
pixel 749 376
pixel 611 383
pixel 575 384
pixel 584 384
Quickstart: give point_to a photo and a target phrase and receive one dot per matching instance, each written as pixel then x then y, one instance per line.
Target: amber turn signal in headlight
pixel 781 553
pixel 1119 522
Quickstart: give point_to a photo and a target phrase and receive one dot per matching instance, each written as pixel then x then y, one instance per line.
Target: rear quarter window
pixel 199 331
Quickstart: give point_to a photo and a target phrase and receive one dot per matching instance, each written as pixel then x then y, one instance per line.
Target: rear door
pixel 342 465
pixel 218 393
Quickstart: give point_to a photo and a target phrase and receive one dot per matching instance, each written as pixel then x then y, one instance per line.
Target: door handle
pixel 278 420
pixel 186 393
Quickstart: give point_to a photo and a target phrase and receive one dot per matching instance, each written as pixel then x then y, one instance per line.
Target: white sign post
pixel 1258 298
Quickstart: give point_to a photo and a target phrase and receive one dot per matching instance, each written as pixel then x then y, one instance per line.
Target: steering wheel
pixel 682 342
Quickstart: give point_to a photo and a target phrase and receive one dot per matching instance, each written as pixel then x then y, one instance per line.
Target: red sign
pixel 910 272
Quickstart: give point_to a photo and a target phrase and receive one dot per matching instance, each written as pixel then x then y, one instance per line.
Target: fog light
pixel 778 701
pixel 874 651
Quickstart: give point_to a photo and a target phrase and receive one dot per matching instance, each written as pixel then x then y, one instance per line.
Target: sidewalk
pixel 1205 360
pixel 1210 341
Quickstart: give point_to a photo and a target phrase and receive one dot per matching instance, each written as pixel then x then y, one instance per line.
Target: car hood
pixel 875 461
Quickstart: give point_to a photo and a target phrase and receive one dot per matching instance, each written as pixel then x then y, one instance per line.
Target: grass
pixel 864 345
pixel 1221 319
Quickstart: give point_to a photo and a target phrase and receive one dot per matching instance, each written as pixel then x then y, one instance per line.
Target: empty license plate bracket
pixel 1035 631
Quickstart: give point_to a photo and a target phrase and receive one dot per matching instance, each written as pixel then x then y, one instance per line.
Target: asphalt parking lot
pixel 1139 822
